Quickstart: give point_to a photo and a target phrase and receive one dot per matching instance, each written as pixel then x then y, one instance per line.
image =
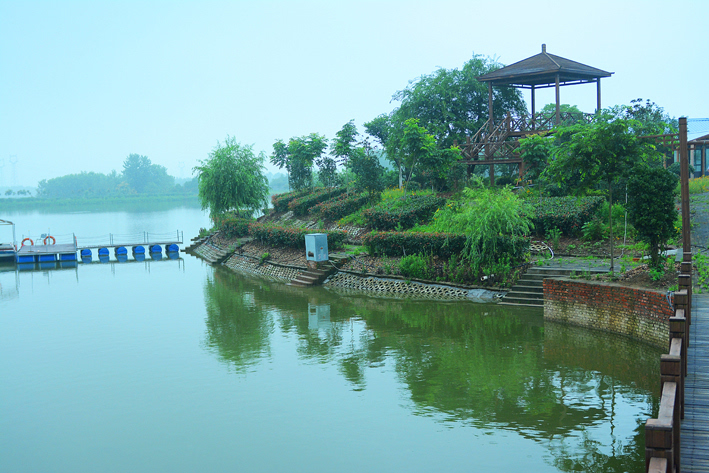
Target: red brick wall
pixel 639 313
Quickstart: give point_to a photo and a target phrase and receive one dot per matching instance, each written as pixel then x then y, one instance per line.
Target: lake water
pixel 176 366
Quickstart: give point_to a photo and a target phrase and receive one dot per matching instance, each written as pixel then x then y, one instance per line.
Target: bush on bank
pixel 302 205
pixel 568 214
pixel 341 206
pixel 408 212
pixel 410 243
pixel 290 237
pixel 280 201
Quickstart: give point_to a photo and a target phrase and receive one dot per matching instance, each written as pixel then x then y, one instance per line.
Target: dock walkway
pixel 695 426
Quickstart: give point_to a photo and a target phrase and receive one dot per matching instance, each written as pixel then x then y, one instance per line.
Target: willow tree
pixel 232 178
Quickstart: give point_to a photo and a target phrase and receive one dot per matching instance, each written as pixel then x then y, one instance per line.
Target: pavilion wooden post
pixel 491 128
pixel 533 107
pixel 558 105
pixel 598 94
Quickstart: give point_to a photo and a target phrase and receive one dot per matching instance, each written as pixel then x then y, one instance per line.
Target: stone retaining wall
pixel 398 288
pixel 642 314
pixel 207 251
pixel 274 272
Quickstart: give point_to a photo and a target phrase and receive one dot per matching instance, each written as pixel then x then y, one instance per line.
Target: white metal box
pixel 316 247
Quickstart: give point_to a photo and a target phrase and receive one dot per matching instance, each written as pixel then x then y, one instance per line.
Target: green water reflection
pixel 582 395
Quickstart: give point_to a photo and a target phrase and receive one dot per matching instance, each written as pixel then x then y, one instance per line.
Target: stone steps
pixel 312 277
pixel 529 290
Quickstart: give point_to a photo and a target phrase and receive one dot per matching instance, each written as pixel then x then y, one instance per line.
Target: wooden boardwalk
pixel 695 426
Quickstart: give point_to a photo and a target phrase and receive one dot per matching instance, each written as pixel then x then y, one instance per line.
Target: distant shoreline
pixel 145 201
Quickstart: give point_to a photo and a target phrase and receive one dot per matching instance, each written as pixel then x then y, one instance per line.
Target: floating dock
pixel 46 253
pixel 139 244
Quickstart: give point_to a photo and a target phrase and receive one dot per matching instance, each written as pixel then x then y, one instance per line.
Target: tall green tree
pixel 651 206
pixel 421 154
pixel 601 152
pixel 232 178
pixel 369 173
pixel 379 128
pixel 452 104
pixel 145 177
pixel 298 157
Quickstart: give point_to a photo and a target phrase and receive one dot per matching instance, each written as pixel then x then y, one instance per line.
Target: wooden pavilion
pixel 497 143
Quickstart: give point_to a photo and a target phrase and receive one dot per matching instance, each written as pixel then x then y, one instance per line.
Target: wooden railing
pixel 662 435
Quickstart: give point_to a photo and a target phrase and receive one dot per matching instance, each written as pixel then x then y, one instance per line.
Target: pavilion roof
pixel 540 71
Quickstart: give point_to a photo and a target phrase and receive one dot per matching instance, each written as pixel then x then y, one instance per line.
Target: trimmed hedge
pixel 443 245
pixel 235 227
pixel 415 210
pixel 292 237
pixel 342 206
pixel 410 243
pixel 280 201
pixel 568 214
pixel 302 205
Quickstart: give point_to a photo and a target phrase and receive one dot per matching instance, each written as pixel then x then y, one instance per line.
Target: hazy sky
pixel 84 84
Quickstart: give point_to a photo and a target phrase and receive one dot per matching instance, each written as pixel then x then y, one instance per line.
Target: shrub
pixel 404 212
pixel 568 214
pixel 302 205
pixel 342 206
pixel 292 237
pixel 409 243
pixel 235 227
pixel 414 266
pixel 280 201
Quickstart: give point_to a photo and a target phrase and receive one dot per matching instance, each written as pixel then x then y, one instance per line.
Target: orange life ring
pixel 27 239
pixel 54 241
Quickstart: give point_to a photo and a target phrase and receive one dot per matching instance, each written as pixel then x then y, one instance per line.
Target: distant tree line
pixel 139 177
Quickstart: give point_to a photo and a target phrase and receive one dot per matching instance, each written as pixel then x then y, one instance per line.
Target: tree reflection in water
pixel 489 366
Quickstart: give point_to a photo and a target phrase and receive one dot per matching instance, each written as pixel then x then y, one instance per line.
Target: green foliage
pixel 701 264
pixel 415 266
pixel 84 185
pixel 145 177
pixel 592 230
pixel 536 151
pixel 302 205
pixel 554 234
pixel 676 169
pixel 368 173
pixel 599 152
pixel 335 209
pixel 451 104
pixel 232 177
pixel 343 147
pixel 280 201
pixel 404 212
pixel 298 157
pixel 235 227
pixel 495 223
pixel 651 207
pixel 570 114
pixel 409 243
pixel 568 214
pixel 292 237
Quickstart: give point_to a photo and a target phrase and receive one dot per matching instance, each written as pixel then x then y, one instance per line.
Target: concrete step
pixel 522 300
pixel 299 283
pixel 514 292
pixel 524 281
pixel 528 286
pixel 522 304
pixel 308 277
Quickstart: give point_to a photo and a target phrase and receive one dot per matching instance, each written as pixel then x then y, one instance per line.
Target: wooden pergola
pixel 491 144
pixel 542 71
